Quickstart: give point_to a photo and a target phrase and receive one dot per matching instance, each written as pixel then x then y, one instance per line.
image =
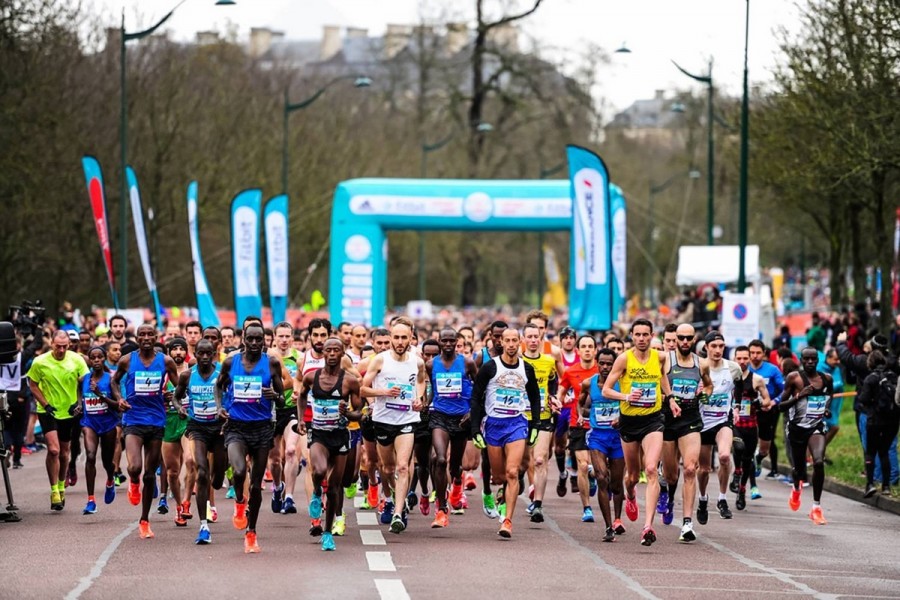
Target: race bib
pixel 449 384
pixel 815 406
pixel 147 382
pixel 715 406
pixel 509 401
pixel 94 405
pixel 745 409
pixel 648 394
pixel 404 401
pixel 685 389
pixel 605 413
pixel 247 388
pixel 325 413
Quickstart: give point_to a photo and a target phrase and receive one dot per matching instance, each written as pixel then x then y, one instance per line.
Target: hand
pixel 635 395
pixel 182 412
pixel 555 405
pixel 392 392
pixel 75 410
pixel 614 424
pixel 50 409
pixel 95 389
pixel 223 414
pixel 827 414
pixel 301 428
pixel 465 419
pixel 168 395
pixel 806 391
pixel 842 337
pixel 532 436
pixel 123 405
pixel 579 421
pixel 342 408
pixel 417 404
pixel 478 441
pixel 269 393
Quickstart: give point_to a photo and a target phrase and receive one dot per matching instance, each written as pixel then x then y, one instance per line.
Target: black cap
pixel 712 336
pixel 879 342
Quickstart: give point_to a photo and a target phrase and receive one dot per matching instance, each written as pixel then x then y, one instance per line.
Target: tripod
pixel 11 516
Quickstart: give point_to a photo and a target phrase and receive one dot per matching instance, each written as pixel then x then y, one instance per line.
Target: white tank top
pixel 716 407
pixel 506 397
pixel 311 363
pixel 400 374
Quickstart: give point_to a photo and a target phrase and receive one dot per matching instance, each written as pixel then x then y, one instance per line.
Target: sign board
pixel 740 318
pixel 419 309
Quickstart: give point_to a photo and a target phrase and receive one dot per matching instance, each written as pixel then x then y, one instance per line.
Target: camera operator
pixel 53 379
pixel 11 374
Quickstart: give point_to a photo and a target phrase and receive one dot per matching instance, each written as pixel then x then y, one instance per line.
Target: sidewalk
pixel 833 486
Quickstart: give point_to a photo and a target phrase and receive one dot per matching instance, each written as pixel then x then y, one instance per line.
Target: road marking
pixel 628 581
pixel 391 589
pixel 357 501
pixel 783 577
pixel 380 561
pixel 694 588
pixel 85 583
pixel 366 518
pixel 372 537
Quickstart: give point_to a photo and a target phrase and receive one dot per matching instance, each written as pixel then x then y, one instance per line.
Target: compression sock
pixel 672 488
pixel 773 455
pixel 560 462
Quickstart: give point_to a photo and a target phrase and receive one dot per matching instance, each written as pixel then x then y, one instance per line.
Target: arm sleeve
pixel 479 388
pixel 533 391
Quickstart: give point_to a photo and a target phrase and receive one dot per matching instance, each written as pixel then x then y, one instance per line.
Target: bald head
pixel 685 339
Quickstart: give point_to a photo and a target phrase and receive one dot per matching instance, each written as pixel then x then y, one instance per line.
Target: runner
pixel 688 376
pixel 193 332
pixel 335 400
pixel 358 337
pixel 286 438
pixel 755 397
pixel 603 443
pixel 215 446
pixel 345 334
pixel 176 448
pixel 319 330
pixel 670 337
pixel 641 422
pixel 767 421
pixel 716 410
pixel 484 356
pixel 144 372
pixel 248 385
pixel 422 440
pixel 113 354
pixel 504 389
pixel 396 379
pixel 99 408
pixel 568 358
pixel 204 428
pixel 381 341
pixel 807 402
pixel 451 375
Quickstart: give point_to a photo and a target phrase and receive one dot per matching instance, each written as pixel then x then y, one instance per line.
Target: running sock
pixel 91 499
pixel 672 488
pixel 204 524
pixel 815 503
pixel 704 498
pixel 687 520
pixel 288 496
pixel 538 503
pixel 560 463
pixel 773 454
pixel 723 496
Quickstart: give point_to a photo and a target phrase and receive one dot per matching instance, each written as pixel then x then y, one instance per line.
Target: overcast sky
pixel 657 31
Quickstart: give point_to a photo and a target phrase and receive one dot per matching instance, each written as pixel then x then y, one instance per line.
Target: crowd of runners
pixel 202 417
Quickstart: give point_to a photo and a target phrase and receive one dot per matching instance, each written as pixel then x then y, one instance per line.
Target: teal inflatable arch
pixel 365 208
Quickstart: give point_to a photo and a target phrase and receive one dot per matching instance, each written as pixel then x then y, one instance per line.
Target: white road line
pixel 85 583
pixel 380 561
pixel 366 518
pixel 726 590
pixel 391 589
pixel 372 537
pixel 628 581
pixel 783 577
pixel 357 501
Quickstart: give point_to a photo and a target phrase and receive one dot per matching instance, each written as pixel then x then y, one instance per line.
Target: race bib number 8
pixel 686 389
pixel 404 400
pixel 326 413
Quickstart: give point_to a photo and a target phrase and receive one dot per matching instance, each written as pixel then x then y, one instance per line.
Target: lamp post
pixel 652 191
pixel 745 134
pixel 544 174
pixel 359 81
pixel 710 148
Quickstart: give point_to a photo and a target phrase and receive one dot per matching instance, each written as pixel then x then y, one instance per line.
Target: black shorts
pixel 634 428
pixel 336 441
pixel 690 421
pixel 767 424
pixel 798 437
pixel 255 435
pixel 283 418
pixel 578 439
pixel 450 424
pixel 386 433
pixel 65 428
pixel 209 433
pixel 543 425
pixel 147 433
pixel 367 427
pixel 708 437
pixel 422 430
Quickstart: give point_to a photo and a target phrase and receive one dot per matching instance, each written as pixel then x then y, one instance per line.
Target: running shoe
pixel 364 505
pixel 757 461
pixel 55 504
pixel 505 529
pixel 440 520
pixel 669 515
pixel 387 511
pixel 871 490
pixel 239 520
pixel 455 496
pixel 179 516
pixel 212 515
pixel 90 508
pixel 119 479
pixel 397 524
pixel 432 497
pixel 648 536
pixel 530 508
pixel 794 500
pixel 62 495
pixel 573 484
pixel 772 475
pixel 537 516
pixel 610 535
pixel 465 502
pixel 163 506
pixel 134 493
pixel 501 508
pixel 404 514
pixel 230 495
pixel 754 493
pixel 71 475
pixel 268 476
pixel 663 501
pixel 490 506
pixel 110 494
pixel 470 482
pixel 339 528
pixel 186 509
pixel 328 542
pixel 886 491
pixel 250 544
pixel 411 500
pixel 203 537
pixel 315 506
pixel 315 527
pixel 591 481
pixel 687 533
pixel 372 496
pixel 278 499
pixel 631 508
pixel 588 515
pixel 724 511
pixel 144 530
pixel 816 515
pixel 350 490
pixel 561 489
pixel 735 484
pixel 741 502
pixel 424 505
pixel 288 507
pixel 619 527
pixel 642 478
pixel 17 464
pixel 702 511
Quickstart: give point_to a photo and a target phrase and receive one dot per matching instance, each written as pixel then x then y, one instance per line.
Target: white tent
pixel 715 264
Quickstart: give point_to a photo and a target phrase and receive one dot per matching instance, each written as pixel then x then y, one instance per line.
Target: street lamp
pixel 653 190
pixel 359 81
pixel 745 134
pixel 123 141
pixel 710 148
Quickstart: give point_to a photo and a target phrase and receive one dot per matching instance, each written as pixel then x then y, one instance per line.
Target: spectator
pixel 815 337
pixel 876 397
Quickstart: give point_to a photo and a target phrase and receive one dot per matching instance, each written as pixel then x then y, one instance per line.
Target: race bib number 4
pixel 247 388
pixel 147 382
pixel 94 405
pixel 648 395
pixel 404 400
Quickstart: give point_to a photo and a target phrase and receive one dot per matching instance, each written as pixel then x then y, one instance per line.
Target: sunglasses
pixel 684 338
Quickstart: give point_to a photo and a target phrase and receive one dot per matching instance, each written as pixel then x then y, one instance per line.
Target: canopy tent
pixel 715 264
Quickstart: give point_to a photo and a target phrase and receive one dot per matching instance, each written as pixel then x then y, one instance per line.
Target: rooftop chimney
pixel 396 39
pixel 207 38
pixel 457 37
pixel 504 37
pixel 331 42
pixel 260 41
pixel 357 32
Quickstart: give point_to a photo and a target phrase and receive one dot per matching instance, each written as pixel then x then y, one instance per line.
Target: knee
pixel 540 462
pixel 290 453
pixel 401 470
pixel 512 473
pixel 190 464
pixel 724 459
pixel 202 476
pixel 818 463
pixel 440 462
pixel 53 451
pixel 690 471
pixel 90 456
pixel 149 478
pixel 134 471
pixel 239 472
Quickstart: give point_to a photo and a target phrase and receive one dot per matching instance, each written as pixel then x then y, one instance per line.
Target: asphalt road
pixel 765 551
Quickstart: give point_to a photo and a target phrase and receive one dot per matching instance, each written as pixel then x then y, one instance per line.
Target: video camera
pixel 28 318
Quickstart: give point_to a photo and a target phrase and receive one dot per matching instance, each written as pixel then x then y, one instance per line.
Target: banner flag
pixel 94 180
pixel 205 305
pixel 619 248
pixel 245 253
pixel 137 213
pixel 275 219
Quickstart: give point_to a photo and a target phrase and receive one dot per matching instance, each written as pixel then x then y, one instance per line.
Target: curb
pixel 834 486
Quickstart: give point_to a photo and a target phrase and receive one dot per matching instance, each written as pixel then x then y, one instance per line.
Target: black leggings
pixel 801 440
pixel 744 453
pixel 880 433
pixel 16 427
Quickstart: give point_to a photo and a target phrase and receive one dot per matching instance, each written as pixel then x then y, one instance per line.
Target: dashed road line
pixel 97 570
pixel 372 537
pixel 380 561
pixel 391 589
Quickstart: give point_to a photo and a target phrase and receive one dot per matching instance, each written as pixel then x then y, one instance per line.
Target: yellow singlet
pixel 645 376
pixel 544 370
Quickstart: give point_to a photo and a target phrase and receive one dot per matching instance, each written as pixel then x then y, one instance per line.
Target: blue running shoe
pixel 758 463
pixel 230 493
pixel 288 507
pixel 110 494
pixel 754 493
pixel 163 507
pixel 593 483
pixel 91 508
pixel 315 506
pixel 156 491
pixel 663 502
pixel 387 512
pixel 669 515
pixel 328 542
pixel 277 496
pixel 204 537
pixel 588 516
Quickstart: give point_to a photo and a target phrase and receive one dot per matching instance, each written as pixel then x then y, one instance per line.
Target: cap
pixel 100 330
pixel 713 336
pixel 176 342
pixel 73 335
pixel 567 332
pixel 879 342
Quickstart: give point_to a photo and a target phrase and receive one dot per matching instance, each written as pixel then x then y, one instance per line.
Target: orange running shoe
pixel 455 497
pixel 240 516
pixel 470 482
pixel 186 509
pixel 440 520
pixel 134 493
pixel 618 527
pixel 631 508
pixel 505 529
pixel 372 496
pixel 179 517
pixel 144 530
pixel 250 545
pixel 794 500
pixel 268 476
pixel 816 515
